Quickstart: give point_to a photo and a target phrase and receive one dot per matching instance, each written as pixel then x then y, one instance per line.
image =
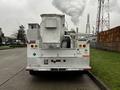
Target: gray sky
pixel 16 12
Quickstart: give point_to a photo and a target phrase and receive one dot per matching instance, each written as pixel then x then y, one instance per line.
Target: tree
pixel 1 36
pixel 21 34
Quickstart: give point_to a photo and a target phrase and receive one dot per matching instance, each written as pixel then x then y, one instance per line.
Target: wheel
pixel 33 73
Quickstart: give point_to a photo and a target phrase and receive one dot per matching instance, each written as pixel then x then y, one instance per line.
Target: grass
pixel 106 66
pixel 17 46
pixel 11 47
pixel 4 47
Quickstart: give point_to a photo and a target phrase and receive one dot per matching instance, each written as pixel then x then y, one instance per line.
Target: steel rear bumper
pixel 58 69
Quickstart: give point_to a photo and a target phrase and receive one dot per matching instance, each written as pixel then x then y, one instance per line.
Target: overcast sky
pixel 16 12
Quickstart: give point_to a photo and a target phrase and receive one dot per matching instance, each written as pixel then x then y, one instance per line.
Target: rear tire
pixel 33 73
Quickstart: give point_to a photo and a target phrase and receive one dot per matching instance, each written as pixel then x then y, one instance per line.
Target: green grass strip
pixel 106 66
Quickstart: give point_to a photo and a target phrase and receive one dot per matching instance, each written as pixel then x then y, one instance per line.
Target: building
pixel 110 39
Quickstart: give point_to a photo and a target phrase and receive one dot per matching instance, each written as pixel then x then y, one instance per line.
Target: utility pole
pixel 103 16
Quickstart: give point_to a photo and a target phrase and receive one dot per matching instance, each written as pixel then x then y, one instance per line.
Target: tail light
pixel 34 46
pixel 80 46
pixel 84 46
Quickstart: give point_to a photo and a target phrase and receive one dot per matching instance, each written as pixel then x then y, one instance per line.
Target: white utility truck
pixel 52 48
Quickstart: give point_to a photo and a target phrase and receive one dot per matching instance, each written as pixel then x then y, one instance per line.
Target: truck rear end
pixel 52 48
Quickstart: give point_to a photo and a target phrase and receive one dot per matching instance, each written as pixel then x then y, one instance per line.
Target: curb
pixel 97 81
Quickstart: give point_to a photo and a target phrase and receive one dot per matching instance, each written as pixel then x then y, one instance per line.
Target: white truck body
pixel 46 51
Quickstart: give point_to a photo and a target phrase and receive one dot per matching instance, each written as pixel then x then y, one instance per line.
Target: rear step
pixel 58 69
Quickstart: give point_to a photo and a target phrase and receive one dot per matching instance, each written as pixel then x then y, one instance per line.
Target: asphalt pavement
pixel 13 75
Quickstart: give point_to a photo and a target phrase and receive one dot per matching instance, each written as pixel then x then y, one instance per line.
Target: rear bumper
pixel 58 69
